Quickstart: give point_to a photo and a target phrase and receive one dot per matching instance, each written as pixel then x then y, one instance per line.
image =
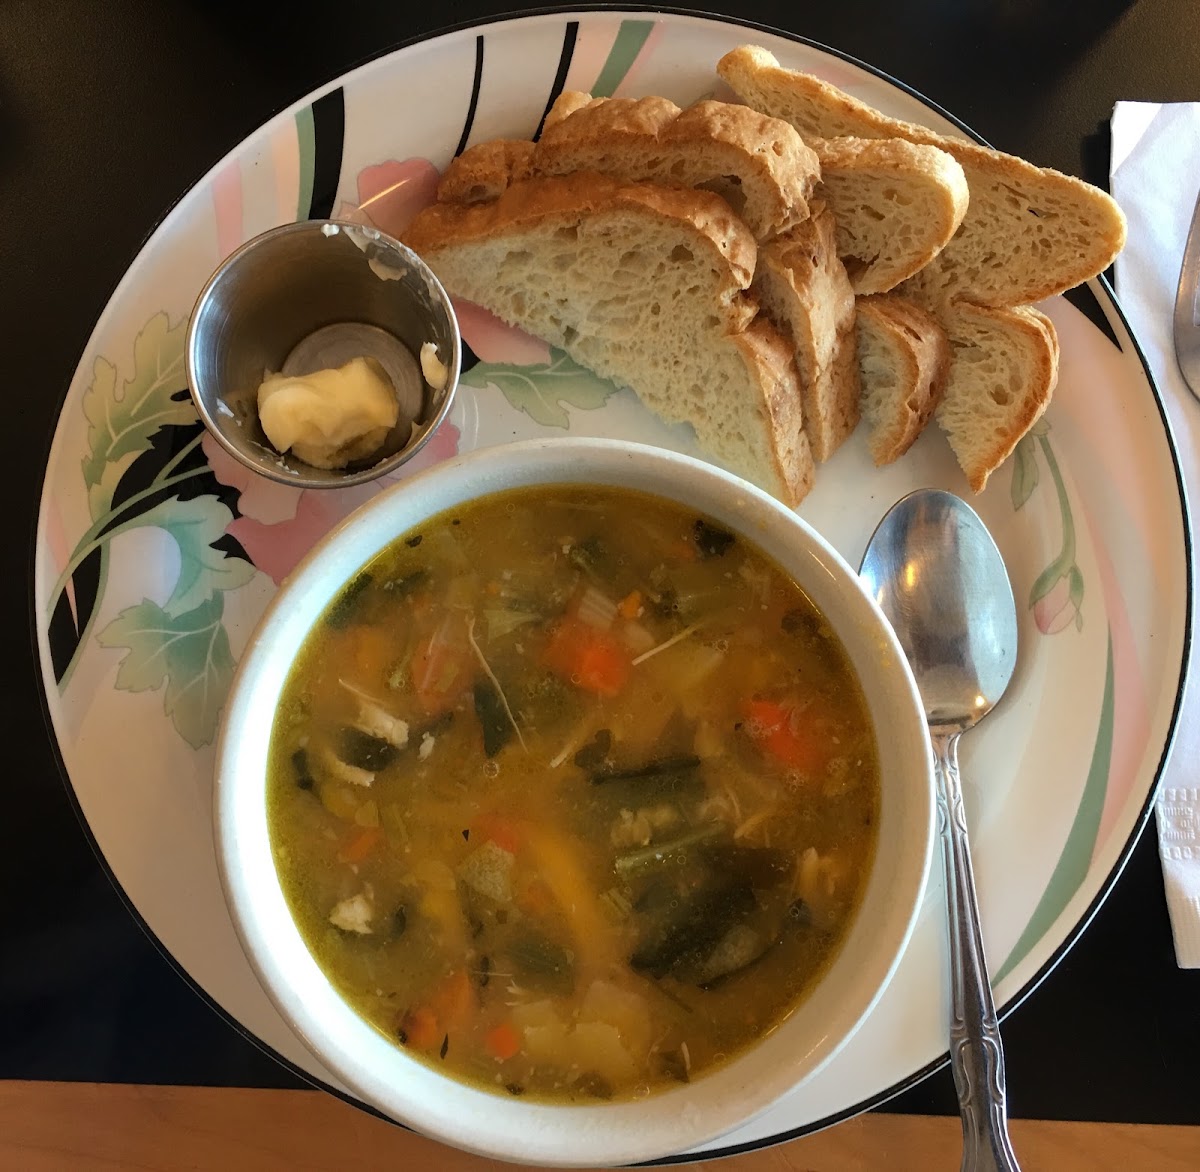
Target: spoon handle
pixel 976 1054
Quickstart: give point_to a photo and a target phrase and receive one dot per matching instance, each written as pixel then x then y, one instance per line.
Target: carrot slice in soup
pixel 361 845
pixel 454 1002
pixel 630 605
pixel 495 827
pixel 419 1028
pixel 589 658
pixel 502 1042
pixel 795 736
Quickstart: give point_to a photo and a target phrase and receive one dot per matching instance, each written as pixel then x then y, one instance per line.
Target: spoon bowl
pixel 938 577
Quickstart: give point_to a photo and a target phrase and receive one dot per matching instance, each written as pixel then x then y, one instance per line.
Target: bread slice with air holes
pixel 1029 232
pixel 766 173
pixel 1003 369
pixel 760 166
pixel 644 285
pixel 897 204
pixel 803 288
pixel 903 361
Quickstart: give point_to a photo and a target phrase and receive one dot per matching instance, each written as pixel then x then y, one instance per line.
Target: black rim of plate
pixel 1108 302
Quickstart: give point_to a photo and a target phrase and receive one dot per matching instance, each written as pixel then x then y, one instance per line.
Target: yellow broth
pixel 572 793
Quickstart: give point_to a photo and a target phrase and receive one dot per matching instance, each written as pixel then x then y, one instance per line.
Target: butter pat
pixel 433 368
pixel 330 418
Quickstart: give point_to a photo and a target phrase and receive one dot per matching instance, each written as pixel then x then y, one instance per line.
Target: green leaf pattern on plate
pixel 189 651
pixel 1056 598
pixel 182 643
pixel 1025 471
pixel 541 390
pixel 203 570
pixel 122 425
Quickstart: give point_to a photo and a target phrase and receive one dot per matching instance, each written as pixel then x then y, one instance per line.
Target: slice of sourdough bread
pixel 759 165
pixel 903 360
pixel 644 285
pixel 1003 368
pixel 803 288
pixel 896 203
pixel 1029 232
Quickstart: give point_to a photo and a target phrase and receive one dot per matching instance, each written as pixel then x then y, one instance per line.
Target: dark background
pixel 108 113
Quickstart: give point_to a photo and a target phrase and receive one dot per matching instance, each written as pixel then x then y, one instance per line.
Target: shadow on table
pixel 86 997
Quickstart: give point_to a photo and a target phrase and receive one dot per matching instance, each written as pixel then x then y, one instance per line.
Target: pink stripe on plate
pixel 592 47
pixel 227 208
pixel 1131 717
pixel 285 162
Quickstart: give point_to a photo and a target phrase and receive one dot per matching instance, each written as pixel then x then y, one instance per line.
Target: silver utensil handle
pixel 976 1053
pixel 1187 308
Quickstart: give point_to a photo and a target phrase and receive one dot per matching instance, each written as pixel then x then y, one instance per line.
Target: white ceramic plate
pixel 156 554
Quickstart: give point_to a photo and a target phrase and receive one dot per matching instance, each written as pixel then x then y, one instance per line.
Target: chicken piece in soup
pixel 573 793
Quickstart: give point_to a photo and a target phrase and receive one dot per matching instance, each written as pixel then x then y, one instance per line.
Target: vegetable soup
pixel 572 793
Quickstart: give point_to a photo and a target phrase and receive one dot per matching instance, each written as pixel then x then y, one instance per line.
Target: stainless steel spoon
pixel 938 577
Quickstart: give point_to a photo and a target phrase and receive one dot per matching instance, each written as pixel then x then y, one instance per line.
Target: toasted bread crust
pixel 804 288
pixel 601 117
pixel 567 197
pixel 760 164
pixel 771 360
pixel 564 105
pixel 485 171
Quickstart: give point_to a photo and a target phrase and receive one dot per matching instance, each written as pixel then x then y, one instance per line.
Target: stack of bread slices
pixel 772 272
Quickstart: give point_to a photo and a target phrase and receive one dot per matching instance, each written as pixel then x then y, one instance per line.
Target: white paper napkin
pixel 1155 179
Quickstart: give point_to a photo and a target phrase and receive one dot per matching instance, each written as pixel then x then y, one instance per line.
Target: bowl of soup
pixel 573 802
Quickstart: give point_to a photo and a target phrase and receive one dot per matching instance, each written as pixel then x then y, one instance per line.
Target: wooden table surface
pixel 108 112
pixel 86 1127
